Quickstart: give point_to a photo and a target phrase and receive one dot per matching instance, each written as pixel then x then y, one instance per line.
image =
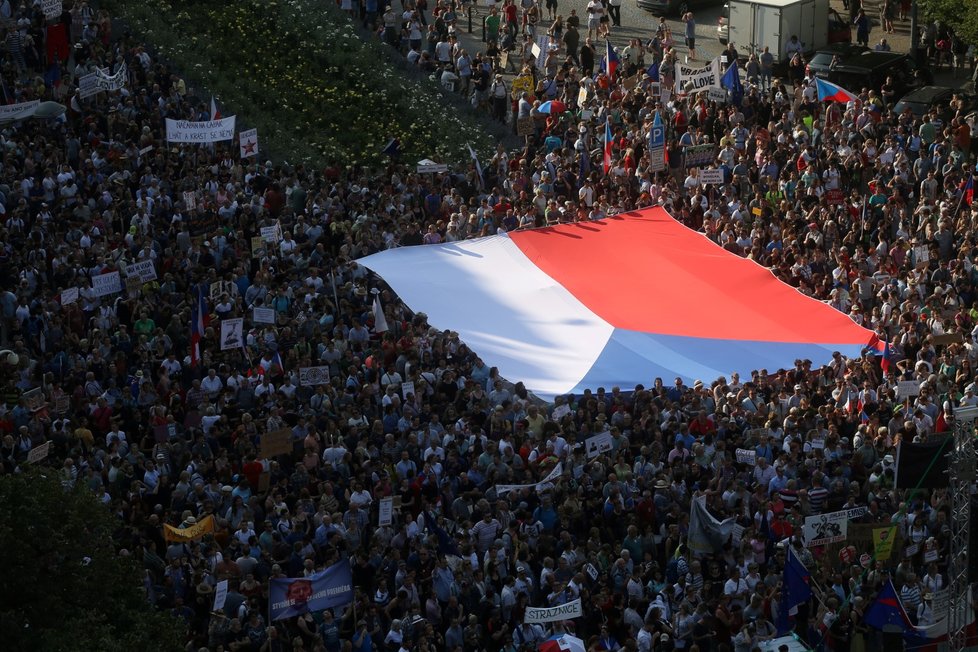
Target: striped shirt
pixel 910 596
pixel 817 497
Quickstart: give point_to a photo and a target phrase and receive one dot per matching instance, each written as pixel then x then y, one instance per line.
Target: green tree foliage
pixel 63 586
pixel 962 15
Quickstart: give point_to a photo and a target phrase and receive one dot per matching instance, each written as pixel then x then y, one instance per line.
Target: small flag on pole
pixel 380 321
pixel 215 112
pixel 478 166
pixel 610 63
pixel 829 92
pixel 607 144
pixel 197 326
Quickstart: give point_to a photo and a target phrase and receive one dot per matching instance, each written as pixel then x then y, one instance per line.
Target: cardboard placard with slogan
pixel 193 533
pixel 275 443
pixel 525 126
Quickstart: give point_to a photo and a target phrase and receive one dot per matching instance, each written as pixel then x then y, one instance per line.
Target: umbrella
pixel 553 106
pixel 50 110
pixel 563 643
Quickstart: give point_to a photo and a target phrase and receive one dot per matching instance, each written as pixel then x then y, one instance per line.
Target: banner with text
pixel 566 611
pixel 690 80
pixel 206 131
pixel 290 597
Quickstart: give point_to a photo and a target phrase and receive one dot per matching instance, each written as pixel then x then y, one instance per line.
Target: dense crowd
pixel 853 205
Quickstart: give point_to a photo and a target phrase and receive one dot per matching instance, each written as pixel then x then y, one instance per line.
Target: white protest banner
pixel 690 79
pixel 19 111
pixel 553 475
pixel 105 284
pixel 263 315
pixel 385 511
pixel 407 387
pixel 106 82
pixel 597 444
pixel 51 8
pixel 737 534
pixel 940 602
pixel 746 456
pixel 144 270
pixel 711 175
pixel 540 49
pixel 38 453
pixel 908 388
pixel 69 296
pixel 309 376
pixel 248 140
pixel 271 233
pixel 552 614
pixel 427 166
pixel 823 529
pixel 232 333
pixel 205 131
pixel 189 200
pixel 146 150
pixel 220 595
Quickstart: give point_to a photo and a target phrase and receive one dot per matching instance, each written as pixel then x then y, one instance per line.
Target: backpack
pixel 672 570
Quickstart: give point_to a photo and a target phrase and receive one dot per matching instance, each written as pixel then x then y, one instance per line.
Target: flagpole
pixel 971 181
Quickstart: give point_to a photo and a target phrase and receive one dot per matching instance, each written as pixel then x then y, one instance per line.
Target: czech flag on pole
pixel 885 362
pixel 829 92
pixel 607 144
pixel 610 61
pixel 969 190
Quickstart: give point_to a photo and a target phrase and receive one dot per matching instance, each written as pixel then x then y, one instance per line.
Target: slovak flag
pixel 829 92
pixel 610 61
pixel 215 112
pixel 607 144
pixel 197 326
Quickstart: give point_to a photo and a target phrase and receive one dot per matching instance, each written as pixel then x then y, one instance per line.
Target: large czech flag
pixel 829 92
pixel 618 301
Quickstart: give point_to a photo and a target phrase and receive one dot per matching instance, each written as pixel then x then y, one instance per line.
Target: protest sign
pixel 220 595
pixel 947 338
pixel 689 79
pixel 290 597
pixel 192 533
pixel 205 131
pixel 746 456
pixel 271 233
pixel 144 270
pixel 69 296
pixel 718 95
pixel 133 286
pixel 263 315
pixel 33 399
pixel 566 611
pixel 275 443
pixel 232 333
pixel 190 200
pixel 834 197
pixel 385 511
pixel 38 453
pixel 822 529
pixel 309 376
pixel 105 284
pixel 51 8
pixel 19 111
pixel 502 489
pixel 921 254
pixel 87 85
pixel 883 539
pixel 525 126
pixel 698 155
pixel 407 387
pixel 597 444
pixel 711 175
pixel 248 141
pixel 908 388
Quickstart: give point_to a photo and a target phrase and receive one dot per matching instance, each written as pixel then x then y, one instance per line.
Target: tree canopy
pixel 64 586
pixel 954 13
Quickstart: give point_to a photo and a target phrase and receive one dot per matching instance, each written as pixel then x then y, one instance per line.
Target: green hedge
pixel 299 72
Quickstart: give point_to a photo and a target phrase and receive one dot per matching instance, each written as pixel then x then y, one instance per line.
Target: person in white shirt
pixel 736 588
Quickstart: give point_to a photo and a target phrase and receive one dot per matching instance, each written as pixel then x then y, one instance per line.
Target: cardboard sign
pixel 309 376
pixel 947 338
pixel 834 197
pixel 582 96
pixel 271 233
pixel 258 248
pixel 69 296
pixel 106 284
pixel 525 126
pixel 51 8
pixel 190 200
pixel 591 571
pixel 38 453
pixel 823 529
pixel 407 387
pixel 232 334
pixel 598 444
pixel 33 399
pixel 911 550
pixel 908 388
pixel 630 82
pixel 273 444
pixel 220 595
pixel 711 175
pixel 746 456
pixel 883 540
pixel 263 315
pixel 61 404
pixel 385 511
pixel 718 95
pixel 921 254
pixel 144 270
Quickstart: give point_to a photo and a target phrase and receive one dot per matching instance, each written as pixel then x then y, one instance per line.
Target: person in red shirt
pixel 252 470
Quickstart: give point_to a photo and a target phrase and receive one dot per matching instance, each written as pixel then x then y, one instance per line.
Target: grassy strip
pixel 298 71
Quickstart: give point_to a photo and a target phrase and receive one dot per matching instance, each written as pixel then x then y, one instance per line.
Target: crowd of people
pixel 854 205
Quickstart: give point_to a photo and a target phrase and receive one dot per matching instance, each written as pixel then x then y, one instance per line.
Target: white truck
pixel 753 25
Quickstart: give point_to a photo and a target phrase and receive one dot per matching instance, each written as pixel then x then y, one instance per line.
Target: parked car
pixel 674 7
pixel 871 69
pixel 925 98
pixel 821 61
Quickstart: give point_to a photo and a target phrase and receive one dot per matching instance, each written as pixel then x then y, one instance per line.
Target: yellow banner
pixel 883 539
pixel 192 533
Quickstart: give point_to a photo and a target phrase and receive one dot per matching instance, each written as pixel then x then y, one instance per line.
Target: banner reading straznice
pixel 566 611
pixel 691 80
pixel 207 131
